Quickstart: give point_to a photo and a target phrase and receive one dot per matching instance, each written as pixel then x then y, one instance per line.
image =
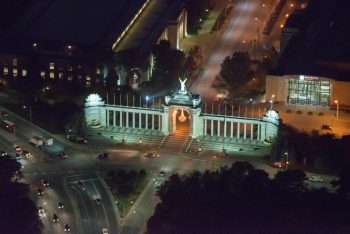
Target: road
pixel 241 29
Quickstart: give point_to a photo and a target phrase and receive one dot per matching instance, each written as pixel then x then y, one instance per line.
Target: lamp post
pixel 212 162
pixel 286 160
pixel 30 112
pixel 271 101
pixel 337 103
pixel 267 12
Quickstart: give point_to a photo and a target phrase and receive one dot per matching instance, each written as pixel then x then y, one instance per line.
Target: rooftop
pixel 322 42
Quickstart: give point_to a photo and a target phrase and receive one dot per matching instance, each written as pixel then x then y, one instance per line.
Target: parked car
pixel 81 186
pixel 17 149
pixel 315 178
pixel 326 127
pixel 41 210
pixel 3 153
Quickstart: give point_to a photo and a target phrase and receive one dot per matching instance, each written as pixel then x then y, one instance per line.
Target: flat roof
pixel 79 22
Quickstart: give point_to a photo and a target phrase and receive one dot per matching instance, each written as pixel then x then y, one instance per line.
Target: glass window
pixel 52 75
pixel 308 92
pixel 60 75
pixel 52 66
pixel 15 72
pixel 6 71
pixel 42 74
pixel 14 62
pixel 24 72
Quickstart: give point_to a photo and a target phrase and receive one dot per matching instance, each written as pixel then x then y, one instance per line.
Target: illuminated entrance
pixel 182 120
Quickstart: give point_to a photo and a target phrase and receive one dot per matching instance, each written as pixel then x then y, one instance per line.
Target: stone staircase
pixel 177 142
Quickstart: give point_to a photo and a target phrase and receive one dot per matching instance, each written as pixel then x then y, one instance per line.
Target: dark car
pixel 151 155
pixel 102 155
pixel 326 127
pixel 45 183
pixel 3 113
pixel 62 155
pixel 40 191
pixel 81 186
pixel 25 153
pixel 3 153
pixel 66 228
pixel 60 205
pixel 55 218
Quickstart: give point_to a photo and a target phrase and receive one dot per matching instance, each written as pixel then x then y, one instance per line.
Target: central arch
pixel 181 121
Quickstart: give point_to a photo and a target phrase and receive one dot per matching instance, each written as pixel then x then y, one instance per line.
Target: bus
pixel 8 125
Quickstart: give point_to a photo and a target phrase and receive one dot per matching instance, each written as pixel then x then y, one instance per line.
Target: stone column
pixel 212 128
pixel 251 131
pixel 245 131
pixel 140 118
pixel 232 129
pixel 258 134
pixel 225 127
pixel 127 119
pixel 114 115
pixel 238 129
pixel 205 127
pixel 152 121
pixel 120 118
pixel 107 117
pixel 218 127
pixel 146 121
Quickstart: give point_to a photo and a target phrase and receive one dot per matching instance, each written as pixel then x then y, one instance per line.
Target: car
pixel 40 191
pixel 45 183
pixel 104 231
pixel 60 205
pixel 55 218
pixel 66 228
pixel 3 153
pixel 276 164
pixel 17 149
pixel 315 178
pixel 151 155
pixel 156 191
pixel 62 155
pixel 102 155
pixel 18 156
pixel 26 153
pixel 98 201
pixel 41 210
pixel 326 127
pixel 162 173
pixel 81 186
pixel 4 113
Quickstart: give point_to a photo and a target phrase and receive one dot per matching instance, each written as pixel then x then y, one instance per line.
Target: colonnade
pixel 232 127
pixel 134 118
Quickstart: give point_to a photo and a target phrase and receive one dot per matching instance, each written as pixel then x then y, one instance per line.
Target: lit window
pixel 24 72
pixel 87 77
pixel 98 71
pixel 14 62
pixel 52 66
pixel 79 77
pixel 42 74
pixel 70 68
pixel 52 75
pixel 6 71
pixel 60 75
pixel 70 78
pixel 15 72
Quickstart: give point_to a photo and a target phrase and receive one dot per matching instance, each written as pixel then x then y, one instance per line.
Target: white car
pixel 104 231
pixel 315 178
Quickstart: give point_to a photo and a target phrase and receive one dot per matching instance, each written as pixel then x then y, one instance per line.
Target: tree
pixel 18 214
pixel 343 183
pixel 290 179
pixel 169 64
pixel 235 72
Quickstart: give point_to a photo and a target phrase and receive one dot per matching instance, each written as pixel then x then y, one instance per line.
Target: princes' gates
pixel 179 116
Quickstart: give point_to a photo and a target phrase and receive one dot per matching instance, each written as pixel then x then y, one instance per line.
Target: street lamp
pixel 267 12
pixel 337 103
pixel 30 112
pixel 286 160
pixel 271 101
pixel 141 215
